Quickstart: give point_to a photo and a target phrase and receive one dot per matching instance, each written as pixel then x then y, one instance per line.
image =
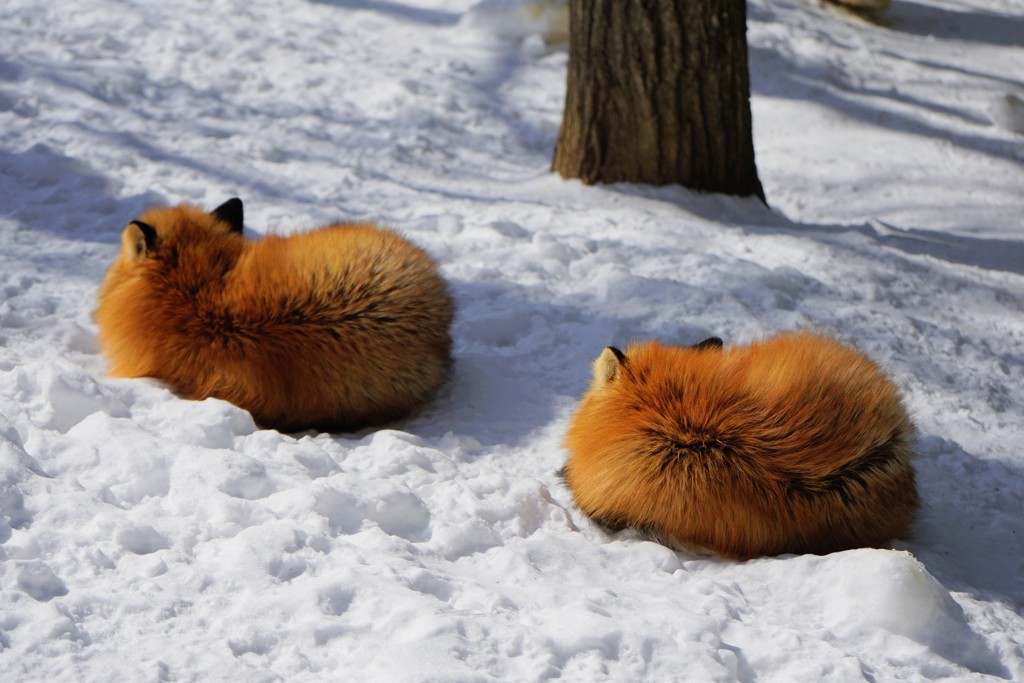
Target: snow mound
pixel 1008 111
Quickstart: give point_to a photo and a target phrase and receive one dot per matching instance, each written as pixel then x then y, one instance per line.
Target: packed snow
pixel 146 537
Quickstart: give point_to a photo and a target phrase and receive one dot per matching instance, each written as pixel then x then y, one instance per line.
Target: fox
pixel 334 329
pixel 793 444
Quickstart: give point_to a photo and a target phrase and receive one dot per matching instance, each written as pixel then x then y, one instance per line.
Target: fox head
pixel 611 362
pixel 144 237
pixel 182 237
pixel 628 393
pixel 633 394
pixel 167 256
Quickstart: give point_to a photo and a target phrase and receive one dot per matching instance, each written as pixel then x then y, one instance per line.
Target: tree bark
pixel 658 92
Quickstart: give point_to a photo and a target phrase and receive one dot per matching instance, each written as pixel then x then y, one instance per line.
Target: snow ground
pixel 150 538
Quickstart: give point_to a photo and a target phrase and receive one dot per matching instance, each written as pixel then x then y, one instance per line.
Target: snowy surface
pixel 146 537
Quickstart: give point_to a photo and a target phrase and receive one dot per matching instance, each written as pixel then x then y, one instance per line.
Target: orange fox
pixel 333 329
pixel 796 444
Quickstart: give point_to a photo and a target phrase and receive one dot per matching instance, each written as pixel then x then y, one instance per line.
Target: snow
pixel 145 537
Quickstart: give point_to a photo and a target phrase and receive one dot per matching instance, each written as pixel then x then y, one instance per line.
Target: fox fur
pixel 333 329
pixel 795 444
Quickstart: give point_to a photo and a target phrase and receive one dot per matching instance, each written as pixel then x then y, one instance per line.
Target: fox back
pixel 333 329
pixel 791 445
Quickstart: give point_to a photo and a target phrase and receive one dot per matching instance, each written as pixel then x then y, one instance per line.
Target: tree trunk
pixel 659 93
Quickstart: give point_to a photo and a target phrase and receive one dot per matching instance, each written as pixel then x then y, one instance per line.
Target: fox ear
pixel 137 241
pixel 709 343
pixel 607 366
pixel 231 213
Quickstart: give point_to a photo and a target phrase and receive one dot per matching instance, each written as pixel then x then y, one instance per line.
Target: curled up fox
pixel 794 444
pixel 333 329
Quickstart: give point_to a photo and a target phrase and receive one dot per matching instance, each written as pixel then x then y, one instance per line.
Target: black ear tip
pixel 231 212
pixel 619 355
pixel 709 343
pixel 148 233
